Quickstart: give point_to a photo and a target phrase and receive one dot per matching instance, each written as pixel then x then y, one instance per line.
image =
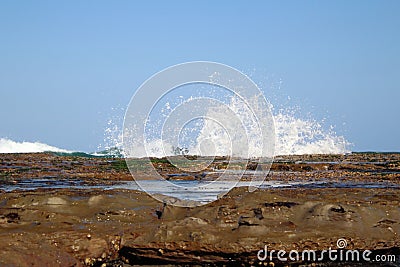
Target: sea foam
pixel 10 146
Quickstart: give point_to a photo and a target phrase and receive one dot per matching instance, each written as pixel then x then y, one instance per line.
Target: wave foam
pixel 10 146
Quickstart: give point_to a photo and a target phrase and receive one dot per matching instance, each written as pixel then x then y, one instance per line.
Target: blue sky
pixel 64 65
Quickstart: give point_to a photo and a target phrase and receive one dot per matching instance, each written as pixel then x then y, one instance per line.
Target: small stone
pixel 56 201
pixel 88 261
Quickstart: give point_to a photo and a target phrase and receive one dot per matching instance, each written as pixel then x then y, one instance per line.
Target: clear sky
pixel 64 65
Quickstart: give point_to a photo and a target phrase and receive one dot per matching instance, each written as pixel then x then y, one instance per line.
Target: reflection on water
pixel 194 190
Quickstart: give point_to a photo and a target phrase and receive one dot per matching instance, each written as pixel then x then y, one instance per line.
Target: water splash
pixel 112 136
pixel 294 133
pixel 294 136
pixel 297 136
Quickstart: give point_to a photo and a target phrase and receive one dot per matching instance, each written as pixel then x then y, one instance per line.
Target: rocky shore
pixel 118 227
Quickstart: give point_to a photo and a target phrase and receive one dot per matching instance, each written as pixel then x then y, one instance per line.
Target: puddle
pixel 193 190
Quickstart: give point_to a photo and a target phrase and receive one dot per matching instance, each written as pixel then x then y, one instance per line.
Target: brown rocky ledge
pixel 73 227
pixel 79 227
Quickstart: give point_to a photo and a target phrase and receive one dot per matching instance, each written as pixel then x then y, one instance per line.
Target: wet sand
pixel 117 227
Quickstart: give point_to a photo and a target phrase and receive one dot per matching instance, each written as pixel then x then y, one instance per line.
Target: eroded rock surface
pixel 78 227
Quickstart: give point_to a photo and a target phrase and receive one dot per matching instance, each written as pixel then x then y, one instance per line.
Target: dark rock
pixel 12 217
pixel 281 204
pixel 258 213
